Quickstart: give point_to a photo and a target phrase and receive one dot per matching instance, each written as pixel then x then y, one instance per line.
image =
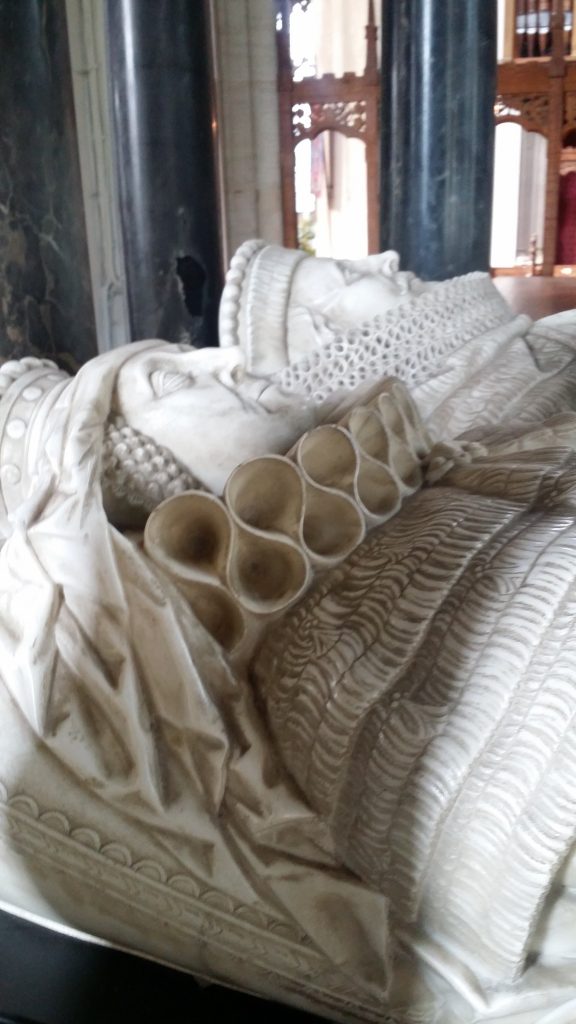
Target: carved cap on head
pixel 274 299
pixel 253 308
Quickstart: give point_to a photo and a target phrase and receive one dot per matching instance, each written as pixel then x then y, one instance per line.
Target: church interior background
pixel 145 141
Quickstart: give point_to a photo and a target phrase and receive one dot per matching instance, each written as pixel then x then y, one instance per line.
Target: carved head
pixel 278 302
pixel 200 404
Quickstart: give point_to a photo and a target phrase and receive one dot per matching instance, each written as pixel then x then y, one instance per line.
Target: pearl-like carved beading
pixel 137 471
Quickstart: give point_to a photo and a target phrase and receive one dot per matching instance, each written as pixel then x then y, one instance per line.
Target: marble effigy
pixel 287 655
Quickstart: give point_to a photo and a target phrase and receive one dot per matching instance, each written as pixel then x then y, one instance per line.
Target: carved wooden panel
pixel 539 93
pixel 309 119
pixel 531 111
pixel 346 104
pixel 569 111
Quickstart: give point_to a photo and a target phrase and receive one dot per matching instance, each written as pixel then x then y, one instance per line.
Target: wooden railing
pixel 537 89
pixel 531 25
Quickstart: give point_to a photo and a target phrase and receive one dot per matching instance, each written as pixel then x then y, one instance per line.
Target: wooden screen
pixel 537 89
pixel 348 105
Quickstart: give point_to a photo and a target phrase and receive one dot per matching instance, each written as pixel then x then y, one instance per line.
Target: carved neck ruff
pixel 411 341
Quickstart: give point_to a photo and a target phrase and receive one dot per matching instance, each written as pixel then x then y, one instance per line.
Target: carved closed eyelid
pixel 166 382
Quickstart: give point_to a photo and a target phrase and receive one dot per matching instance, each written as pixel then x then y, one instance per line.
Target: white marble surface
pixel 280 305
pixel 86 24
pixel 394 840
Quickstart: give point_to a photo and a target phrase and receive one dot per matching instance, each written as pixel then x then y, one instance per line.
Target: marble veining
pixel 45 296
pixel 162 113
pixel 439 67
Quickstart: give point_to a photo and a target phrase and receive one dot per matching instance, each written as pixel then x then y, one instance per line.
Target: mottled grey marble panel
pixel 438 89
pixel 45 298
pixel 160 71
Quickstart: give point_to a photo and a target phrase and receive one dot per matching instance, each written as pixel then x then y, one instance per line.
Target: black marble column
pixel 45 296
pixel 438 89
pixel 159 61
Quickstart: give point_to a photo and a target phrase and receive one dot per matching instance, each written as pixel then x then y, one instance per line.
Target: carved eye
pixel 165 382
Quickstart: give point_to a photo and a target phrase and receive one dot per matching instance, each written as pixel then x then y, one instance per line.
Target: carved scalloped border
pixel 209 915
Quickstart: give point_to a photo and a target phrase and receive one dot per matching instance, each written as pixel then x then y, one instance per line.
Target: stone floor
pixel 48 978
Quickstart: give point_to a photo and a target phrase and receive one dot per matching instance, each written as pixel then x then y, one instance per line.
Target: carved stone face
pixel 200 405
pixel 278 304
pixel 341 293
pixel 346 291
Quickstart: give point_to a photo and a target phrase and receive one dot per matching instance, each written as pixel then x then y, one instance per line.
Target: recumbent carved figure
pixel 288 646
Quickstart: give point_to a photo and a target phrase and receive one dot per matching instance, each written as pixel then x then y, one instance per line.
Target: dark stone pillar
pixel 438 89
pixel 159 61
pixel 45 295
